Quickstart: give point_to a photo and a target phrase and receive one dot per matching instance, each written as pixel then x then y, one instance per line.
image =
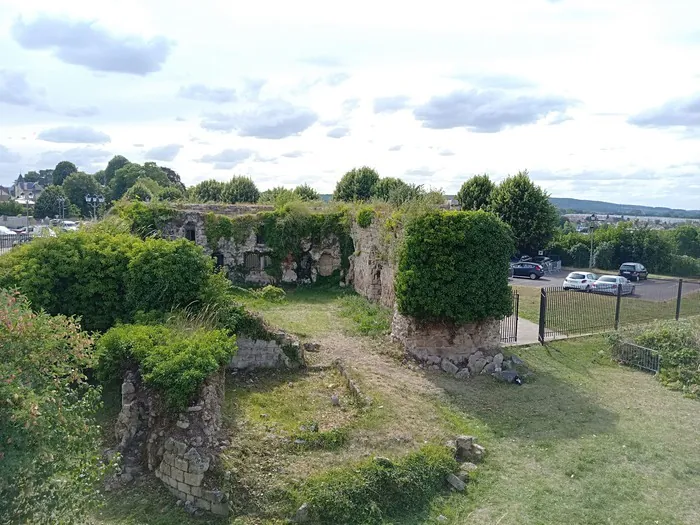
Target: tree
pixel 475 194
pixel 306 193
pixel 386 186
pixel 62 170
pixel 526 208
pixel 687 239
pixel 208 191
pixel 279 196
pixel 172 193
pixel 47 204
pixel 174 178
pixel 11 208
pixel 49 439
pixel 139 192
pixel 124 178
pixel 113 165
pixel 76 187
pixel 356 185
pixel 240 189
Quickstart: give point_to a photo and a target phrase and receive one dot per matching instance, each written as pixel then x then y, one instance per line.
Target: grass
pixel 584 442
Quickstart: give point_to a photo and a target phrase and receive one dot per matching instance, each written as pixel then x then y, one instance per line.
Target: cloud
pixel 82 43
pixel 137 145
pixel 339 132
pixel 86 158
pixel 496 81
pixel 180 119
pixel 676 112
pixel 252 88
pixel 390 104
pixel 396 148
pixel 446 153
pixel 15 90
pixel 293 154
pixel 7 156
pixel 228 158
pixel 84 111
pixel 487 111
pixel 335 79
pixel 74 135
pixel 271 119
pixel 350 105
pixel 323 61
pixel 203 93
pixel 165 153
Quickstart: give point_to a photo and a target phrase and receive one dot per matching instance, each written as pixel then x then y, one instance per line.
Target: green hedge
pixel 453 266
pixel 378 490
pixel 174 362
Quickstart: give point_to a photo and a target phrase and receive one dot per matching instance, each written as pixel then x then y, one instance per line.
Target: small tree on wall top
pixel 453 266
pixel 356 185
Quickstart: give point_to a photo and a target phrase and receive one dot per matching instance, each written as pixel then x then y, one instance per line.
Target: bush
pixel 356 185
pixel 170 194
pixel 365 216
pixel 678 343
pixel 604 256
pixel 172 361
pixel 271 294
pixel 49 441
pixel 369 318
pixel 240 189
pixel 145 219
pixel 378 490
pixel 580 255
pixel 684 266
pixel 306 193
pixel 453 266
pixel 139 192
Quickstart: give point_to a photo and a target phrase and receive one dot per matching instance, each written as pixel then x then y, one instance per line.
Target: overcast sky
pixel 598 99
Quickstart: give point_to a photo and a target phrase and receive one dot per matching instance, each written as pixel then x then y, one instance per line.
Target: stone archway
pixel 326 265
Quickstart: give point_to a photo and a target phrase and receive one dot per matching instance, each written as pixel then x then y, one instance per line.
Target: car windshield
pixel 608 279
pixel 627 267
pixel 576 276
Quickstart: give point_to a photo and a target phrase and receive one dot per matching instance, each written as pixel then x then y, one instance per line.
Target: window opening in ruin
pixel 190 232
pixel 219 260
pixel 266 261
pixel 252 261
pixel 259 238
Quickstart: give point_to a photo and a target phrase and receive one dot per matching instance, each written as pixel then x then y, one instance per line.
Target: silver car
pixel 579 281
pixel 608 284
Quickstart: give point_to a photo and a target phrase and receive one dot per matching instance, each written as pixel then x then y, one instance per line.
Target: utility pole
pixel 590 233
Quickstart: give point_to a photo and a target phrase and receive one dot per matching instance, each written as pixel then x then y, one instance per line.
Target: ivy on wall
pixel 453 266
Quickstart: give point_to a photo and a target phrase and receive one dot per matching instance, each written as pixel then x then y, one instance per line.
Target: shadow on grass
pixel 548 406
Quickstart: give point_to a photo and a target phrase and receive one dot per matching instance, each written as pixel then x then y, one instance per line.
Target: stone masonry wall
pixel 372 268
pixel 258 353
pixel 181 450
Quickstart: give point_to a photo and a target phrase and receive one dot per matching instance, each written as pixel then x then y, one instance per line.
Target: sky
pixel 597 99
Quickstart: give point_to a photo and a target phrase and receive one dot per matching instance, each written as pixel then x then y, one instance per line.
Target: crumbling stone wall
pixel 372 266
pixel 282 351
pixel 181 450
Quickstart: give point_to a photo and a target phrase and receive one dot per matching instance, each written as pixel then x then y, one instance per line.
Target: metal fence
pixel 570 312
pixel 631 354
pixel 551 267
pixel 7 242
pixel 509 325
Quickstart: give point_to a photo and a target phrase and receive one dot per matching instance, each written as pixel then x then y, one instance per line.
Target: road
pixel 650 290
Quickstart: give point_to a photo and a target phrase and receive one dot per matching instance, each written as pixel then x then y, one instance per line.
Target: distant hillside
pixel 583 206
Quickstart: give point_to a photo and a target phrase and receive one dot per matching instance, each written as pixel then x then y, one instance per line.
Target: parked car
pixel 70 226
pixel 580 281
pixel 609 283
pixel 634 271
pixel 527 269
pixel 4 230
pixel 41 230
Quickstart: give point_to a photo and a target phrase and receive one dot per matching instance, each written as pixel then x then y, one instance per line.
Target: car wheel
pixel 633 290
pixel 588 289
pixel 533 276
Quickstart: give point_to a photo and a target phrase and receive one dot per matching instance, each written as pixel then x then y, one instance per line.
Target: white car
pixel 4 230
pixel 579 281
pixel 609 283
pixel 70 226
pixel 42 230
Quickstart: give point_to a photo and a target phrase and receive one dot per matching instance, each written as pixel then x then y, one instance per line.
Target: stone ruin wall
pixel 180 450
pixel 249 260
pixel 372 266
pixel 258 353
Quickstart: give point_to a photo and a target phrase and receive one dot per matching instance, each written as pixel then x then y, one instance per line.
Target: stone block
pixel 182 464
pixel 455 482
pixel 170 481
pixel 183 487
pixel 177 474
pixel 220 509
pixel 498 360
pixel 193 479
pixel 180 447
pixel 202 504
pixel 190 498
pixel 463 373
pixel 449 367
pixel 197 491
pixel 215 496
pixel 168 458
pixel 128 388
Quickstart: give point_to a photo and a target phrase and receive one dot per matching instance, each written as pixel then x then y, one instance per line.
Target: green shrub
pixel 174 362
pixel 604 256
pixel 378 490
pixel 678 343
pixel 453 266
pixel 684 266
pixel 324 440
pixel 145 219
pixel 271 294
pixel 580 255
pixel 365 216
pixel 49 440
pixel 369 318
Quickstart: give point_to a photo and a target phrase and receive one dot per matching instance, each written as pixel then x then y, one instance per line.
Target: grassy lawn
pixel 583 442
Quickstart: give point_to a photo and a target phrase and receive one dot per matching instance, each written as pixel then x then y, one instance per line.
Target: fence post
pixel 678 300
pixel 543 314
pixel 617 306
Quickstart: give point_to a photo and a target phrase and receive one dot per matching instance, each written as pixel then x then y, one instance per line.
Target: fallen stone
pixel 463 373
pixel 516 360
pixel 312 347
pixel 455 482
pixel 442 519
pixel 302 514
pixel 509 376
pixel 183 424
pixel 489 369
pixel 449 367
pixel 433 359
pixel 465 469
pixel 195 408
pixel 498 359
pixel 478 366
pixel 335 400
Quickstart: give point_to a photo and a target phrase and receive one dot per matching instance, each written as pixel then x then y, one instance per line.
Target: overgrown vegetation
pixel 145 219
pixel 365 216
pixel 678 344
pixel 445 272
pixel 369 318
pixel 49 441
pixel 378 489
pixel 173 361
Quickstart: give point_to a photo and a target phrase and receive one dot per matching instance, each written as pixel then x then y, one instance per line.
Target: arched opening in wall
pixel 190 234
pixel 266 261
pixel 218 260
pixel 259 237
pixel 252 262
pixel 325 265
